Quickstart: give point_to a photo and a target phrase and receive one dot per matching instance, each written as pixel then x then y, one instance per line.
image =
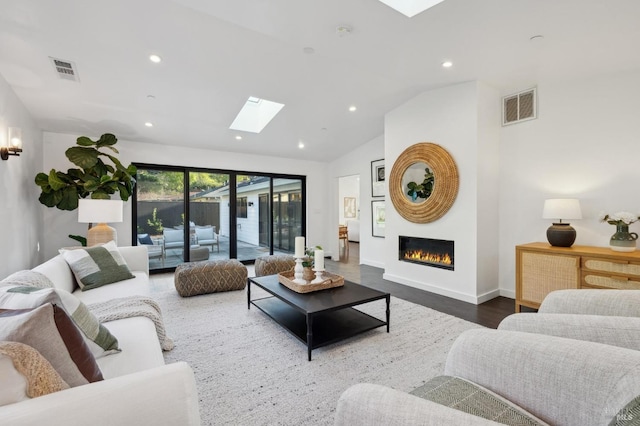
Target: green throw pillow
pixel 100 341
pixel 96 266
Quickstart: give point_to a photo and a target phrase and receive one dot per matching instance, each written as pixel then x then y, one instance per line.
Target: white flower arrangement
pixel 620 218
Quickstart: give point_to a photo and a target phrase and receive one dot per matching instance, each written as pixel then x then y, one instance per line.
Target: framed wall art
pixel 378 218
pixel 349 207
pixel 378 178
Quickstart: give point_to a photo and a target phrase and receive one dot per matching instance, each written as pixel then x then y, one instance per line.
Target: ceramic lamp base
pixel 100 234
pixel 561 235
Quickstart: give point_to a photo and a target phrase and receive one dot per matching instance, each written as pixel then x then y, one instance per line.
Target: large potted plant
pixel 92 178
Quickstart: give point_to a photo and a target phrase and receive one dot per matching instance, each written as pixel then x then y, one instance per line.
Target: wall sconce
pixel 14 144
pixel 250 203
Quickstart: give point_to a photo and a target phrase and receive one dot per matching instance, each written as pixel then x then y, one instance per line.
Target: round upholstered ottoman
pixel 274 264
pixel 211 276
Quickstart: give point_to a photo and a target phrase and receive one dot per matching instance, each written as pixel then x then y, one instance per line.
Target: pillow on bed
pixel 96 266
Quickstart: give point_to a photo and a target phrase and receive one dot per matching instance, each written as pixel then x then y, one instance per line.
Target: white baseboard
pixel 511 294
pixel 488 296
pixel 373 263
pixel 441 291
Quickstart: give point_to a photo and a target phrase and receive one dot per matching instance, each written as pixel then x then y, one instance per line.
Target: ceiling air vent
pixel 519 107
pixel 65 69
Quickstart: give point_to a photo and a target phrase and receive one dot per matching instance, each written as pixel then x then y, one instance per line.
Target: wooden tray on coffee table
pixel 329 281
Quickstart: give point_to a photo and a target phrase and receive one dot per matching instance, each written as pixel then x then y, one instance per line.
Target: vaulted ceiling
pixel 217 53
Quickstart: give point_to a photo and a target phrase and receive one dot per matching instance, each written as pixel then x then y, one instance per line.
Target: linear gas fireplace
pixel 427 251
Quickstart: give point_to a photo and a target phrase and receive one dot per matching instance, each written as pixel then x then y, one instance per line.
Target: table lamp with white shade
pixel 561 234
pixel 100 212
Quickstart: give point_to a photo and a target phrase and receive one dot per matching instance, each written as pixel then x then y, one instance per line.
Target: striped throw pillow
pixel 96 266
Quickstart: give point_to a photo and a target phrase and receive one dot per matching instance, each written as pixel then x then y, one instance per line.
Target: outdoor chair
pixel 155 248
pixel 207 236
pixel 173 239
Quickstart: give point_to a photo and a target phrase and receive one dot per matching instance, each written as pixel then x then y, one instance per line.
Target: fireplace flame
pixel 425 256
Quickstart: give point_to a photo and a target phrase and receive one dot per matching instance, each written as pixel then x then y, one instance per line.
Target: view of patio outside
pixel 161 216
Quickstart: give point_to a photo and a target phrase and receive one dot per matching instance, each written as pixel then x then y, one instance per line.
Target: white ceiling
pixel 217 53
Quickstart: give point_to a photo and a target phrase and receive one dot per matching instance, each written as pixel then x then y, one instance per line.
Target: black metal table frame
pixel 310 315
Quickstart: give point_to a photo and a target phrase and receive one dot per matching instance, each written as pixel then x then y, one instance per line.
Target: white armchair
pixel 207 236
pixel 173 238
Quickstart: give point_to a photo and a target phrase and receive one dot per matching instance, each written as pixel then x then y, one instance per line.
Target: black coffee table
pixel 322 317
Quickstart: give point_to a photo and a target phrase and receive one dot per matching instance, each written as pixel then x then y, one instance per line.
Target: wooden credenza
pixel 541 269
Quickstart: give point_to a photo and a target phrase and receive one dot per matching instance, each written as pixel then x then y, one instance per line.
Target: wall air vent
pixel 520 107
pixel 65 69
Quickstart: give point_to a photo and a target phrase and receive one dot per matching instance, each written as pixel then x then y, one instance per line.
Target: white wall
pixel 450 117
pixel 21 219
pixel 64 223
pixel 358 162
pixel 585 144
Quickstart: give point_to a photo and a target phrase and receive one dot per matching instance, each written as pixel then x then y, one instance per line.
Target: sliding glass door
pixel 185 214
pixel 209 215
pixel 160 212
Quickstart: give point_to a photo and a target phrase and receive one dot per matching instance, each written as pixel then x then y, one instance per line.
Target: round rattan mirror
pixel 423 156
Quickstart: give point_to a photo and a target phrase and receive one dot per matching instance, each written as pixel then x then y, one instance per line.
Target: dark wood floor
pixel 488 314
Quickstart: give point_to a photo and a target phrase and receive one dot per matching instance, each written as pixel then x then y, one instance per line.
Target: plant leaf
pixel 106 140
pixel 50 199
pixel 54 181
pixel 42 180
pixel 79 238
pixel 83 157
pixel 69 199
pixel 99 195
pixel 85 141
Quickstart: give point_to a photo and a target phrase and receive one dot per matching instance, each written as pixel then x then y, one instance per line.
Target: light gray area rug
pixel 250 371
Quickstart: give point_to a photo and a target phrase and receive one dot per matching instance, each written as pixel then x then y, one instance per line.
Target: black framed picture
pixel 378 218
pixel 378 178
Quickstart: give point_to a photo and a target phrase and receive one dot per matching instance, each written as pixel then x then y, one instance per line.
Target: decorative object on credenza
pixel 410 166
pixel 94 178
pixel 561 234
pixel 100 212
pixel 378 177
pixel 622 240
pixel 14 143
pixel 378 218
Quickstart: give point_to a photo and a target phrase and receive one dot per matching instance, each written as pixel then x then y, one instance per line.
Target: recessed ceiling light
pixel 352 108
pixel 538 37
pixel 447 64
pixel 155 59
pixel 255 115
pixel 238 137
pixel 309 50
pixel 300 144
pixel 411 8
pixel 148 124
pixel 151 97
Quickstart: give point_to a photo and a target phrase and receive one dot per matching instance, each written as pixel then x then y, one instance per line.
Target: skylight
pixel 411 8
pixel 255 115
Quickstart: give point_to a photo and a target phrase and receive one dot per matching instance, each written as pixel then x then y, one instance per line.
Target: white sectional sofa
pixel 138 388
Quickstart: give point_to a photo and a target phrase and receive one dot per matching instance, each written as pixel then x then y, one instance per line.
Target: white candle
pixel 319 259
pixel 299 247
